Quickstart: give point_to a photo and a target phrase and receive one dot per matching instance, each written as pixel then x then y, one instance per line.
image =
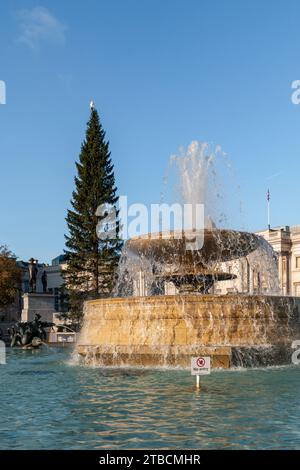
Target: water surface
pixel 46 403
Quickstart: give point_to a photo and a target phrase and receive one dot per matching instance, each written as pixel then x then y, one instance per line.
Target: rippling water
pixel 46 403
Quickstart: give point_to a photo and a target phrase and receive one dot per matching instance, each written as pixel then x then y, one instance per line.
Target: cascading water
pixel 197 182
pixel 224 298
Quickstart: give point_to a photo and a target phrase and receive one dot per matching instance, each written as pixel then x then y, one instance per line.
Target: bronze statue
pixel 33 271
pixel 29 334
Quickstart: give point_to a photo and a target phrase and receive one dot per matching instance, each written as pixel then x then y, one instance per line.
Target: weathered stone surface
pixel 168 330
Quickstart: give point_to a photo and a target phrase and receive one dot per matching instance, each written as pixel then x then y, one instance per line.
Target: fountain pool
pixel 50 404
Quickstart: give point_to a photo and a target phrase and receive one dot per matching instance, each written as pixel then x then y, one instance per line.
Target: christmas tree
pixel 91 254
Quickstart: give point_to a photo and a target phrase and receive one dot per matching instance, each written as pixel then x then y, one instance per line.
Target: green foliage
pixel 91 263
pixel 10 277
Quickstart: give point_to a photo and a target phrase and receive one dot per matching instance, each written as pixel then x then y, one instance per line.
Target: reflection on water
pixel 46 404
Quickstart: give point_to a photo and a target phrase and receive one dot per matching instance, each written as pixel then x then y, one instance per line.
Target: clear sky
pixel 162 73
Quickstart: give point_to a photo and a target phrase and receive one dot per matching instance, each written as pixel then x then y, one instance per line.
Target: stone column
pixel 248 270
pixel 251 280
pixel 139 284
pixel 285 273
pixel 288 273
pixel 280 271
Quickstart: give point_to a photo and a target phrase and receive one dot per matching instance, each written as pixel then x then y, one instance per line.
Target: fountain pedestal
pixel 40 303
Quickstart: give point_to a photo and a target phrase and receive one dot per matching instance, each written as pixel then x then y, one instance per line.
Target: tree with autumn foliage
pixel 10 277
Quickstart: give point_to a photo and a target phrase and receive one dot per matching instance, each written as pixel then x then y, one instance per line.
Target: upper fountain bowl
pixel 194 248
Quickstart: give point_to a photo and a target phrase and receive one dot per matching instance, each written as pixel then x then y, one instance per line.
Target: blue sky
pixel 162 73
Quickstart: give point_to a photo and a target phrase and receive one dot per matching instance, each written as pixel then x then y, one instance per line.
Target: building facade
pixel 286 243
pixel 275 268
pixel 254 275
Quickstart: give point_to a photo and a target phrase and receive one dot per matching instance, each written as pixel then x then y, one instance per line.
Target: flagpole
pixel 268 201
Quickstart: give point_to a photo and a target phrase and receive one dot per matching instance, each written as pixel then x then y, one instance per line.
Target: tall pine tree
pixel 91 261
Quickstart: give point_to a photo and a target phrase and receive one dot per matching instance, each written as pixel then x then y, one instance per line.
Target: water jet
pixel 148 327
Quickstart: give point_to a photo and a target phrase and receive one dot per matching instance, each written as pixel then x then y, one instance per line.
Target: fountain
pixel 147 327
pixel 189 268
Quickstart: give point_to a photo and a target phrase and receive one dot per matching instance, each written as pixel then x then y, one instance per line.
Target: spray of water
pixel 193 176
pixel 255 328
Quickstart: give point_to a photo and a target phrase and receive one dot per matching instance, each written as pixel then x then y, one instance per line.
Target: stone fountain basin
pixel 194 275
pixel 169 330
pixel 181 248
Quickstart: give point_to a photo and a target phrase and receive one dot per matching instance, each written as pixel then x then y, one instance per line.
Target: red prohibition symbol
pixel 200 362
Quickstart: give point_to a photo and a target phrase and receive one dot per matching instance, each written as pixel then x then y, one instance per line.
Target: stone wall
pixel 168 330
